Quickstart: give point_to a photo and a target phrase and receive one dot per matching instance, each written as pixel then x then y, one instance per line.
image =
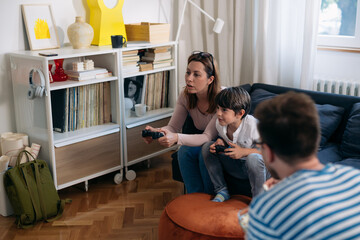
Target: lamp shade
pixel 218 25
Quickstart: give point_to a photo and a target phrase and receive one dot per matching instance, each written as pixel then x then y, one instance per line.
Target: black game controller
pixel 154 135
pixel 220 148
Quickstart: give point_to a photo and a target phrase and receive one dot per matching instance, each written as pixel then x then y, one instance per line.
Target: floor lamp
pixel 219 23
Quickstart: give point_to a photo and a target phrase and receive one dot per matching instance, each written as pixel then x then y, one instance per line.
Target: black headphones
pixel 36 90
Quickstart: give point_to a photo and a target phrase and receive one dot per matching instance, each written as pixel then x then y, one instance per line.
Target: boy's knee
pixel 255 160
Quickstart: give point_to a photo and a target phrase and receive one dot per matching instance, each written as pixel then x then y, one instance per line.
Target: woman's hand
pixel 169 139
pixel 235 151
pixel 149 140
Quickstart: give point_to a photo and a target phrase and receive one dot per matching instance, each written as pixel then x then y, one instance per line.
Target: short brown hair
pixel 234 98
pixel 289 125
pixel 211 69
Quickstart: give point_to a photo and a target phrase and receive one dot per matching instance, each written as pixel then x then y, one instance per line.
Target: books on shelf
pixel 162 64
pixel 92 72
pixel 151 57
pixel 160 49
pixel 159 57
pixel 96 73
pixel 157 89
pixel 80 107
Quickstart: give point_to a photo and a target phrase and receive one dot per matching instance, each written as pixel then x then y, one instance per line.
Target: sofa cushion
pixel 350 143
pixel 259 95
pixel 330 117
pixel 330 153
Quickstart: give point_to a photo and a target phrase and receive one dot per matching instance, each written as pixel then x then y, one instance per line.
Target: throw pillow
pixel 259 95
pixel 330 117
pixel 350 143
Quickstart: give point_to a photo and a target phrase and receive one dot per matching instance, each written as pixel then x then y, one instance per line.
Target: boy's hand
pixel 235 151
pixel 219 141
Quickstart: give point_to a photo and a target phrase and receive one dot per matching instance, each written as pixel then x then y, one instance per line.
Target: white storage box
pixel 5 206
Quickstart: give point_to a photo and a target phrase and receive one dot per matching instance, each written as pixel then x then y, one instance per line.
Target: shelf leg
pixel 86 186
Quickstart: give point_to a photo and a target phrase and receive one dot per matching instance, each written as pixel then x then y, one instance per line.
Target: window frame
pixel 339 40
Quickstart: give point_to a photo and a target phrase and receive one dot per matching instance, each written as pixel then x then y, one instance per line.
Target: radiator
pixel 344 87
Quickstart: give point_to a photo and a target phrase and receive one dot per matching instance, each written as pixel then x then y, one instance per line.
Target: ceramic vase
pixel 80 33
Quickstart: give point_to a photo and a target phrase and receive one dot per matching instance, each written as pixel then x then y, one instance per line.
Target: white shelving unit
pixel 135 149
pixel 74 156
pixel 77 156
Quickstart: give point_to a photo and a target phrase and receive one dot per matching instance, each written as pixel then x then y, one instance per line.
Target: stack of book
pixel 95 73
pixel 156 91
pixel 159 57
pixel 81 107
pixel 130 62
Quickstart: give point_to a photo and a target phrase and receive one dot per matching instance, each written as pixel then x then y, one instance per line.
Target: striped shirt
pixel 309 204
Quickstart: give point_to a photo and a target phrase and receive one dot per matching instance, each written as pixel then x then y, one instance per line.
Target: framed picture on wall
pixel 40 26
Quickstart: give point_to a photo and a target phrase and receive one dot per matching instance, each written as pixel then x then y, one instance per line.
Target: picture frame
pixel 40 26
pixel 134 88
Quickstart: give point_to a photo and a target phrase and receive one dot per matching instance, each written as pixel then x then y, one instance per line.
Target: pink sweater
pixel 205 122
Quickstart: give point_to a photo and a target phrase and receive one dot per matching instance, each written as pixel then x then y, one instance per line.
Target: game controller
pixel 220 148
pixel 154 135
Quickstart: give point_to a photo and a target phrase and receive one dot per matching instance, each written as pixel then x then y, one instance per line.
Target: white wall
pixel 337 65
pixel 13 35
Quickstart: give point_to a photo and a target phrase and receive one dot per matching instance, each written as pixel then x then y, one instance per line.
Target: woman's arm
pixel 194 140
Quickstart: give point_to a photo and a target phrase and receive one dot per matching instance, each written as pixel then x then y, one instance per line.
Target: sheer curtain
pixel 262 41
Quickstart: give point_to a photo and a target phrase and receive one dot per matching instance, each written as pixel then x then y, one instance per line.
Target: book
pixel 161 64
pixel 91 72
pixel 145 66
pixel 157 90
pixel 150 89
pixel 131 52
pixel 130 58
pixel 160 49
pixel 156 57
pixel 164 55
pixel 67 110
pixel 58 106
pixel 107 102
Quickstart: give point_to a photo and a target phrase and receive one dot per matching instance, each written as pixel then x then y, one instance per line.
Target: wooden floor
pixel 130 210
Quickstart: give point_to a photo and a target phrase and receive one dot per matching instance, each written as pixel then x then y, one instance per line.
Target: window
pixel 339 23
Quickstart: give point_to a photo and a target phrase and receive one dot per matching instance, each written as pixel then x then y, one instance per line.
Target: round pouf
pixel 195 216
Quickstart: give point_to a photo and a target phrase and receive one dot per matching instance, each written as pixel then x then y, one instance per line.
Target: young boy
pixel 238 133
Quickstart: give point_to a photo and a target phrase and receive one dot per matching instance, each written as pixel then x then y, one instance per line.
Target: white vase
pixel 80 33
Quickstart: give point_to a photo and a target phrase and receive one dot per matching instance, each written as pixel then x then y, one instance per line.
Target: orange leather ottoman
pixel 194 216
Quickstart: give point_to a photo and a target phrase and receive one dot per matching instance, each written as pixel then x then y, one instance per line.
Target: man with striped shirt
pixel 309 200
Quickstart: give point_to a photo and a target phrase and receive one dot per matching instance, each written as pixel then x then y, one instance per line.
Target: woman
pixel 198 101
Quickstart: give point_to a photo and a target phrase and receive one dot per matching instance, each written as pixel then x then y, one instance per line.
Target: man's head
pixel 289 126
pixel 234 98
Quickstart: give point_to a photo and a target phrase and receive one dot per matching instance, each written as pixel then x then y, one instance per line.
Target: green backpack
pixel 31 191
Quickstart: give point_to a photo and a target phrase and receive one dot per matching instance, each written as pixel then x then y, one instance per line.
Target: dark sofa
pixel 340 129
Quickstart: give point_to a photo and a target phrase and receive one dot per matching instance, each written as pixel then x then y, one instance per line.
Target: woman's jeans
pixel 194 171
pixel 251 167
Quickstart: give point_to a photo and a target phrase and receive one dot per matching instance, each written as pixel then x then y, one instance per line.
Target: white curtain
pixel 267 41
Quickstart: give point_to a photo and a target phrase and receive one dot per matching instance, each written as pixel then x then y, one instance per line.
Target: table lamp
pixel 219 23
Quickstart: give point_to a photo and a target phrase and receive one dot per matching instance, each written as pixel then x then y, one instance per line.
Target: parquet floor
pixel 129 211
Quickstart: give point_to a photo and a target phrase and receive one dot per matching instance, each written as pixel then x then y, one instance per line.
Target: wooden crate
pixel 149 32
